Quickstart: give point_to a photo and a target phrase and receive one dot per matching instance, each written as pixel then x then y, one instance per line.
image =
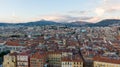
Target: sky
pixel 20 11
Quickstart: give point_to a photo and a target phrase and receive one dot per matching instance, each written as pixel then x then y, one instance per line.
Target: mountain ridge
pixel 105 22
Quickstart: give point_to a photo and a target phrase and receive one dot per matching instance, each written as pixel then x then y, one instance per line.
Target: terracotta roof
pixel 39 55
pixel 11 43
pixel 27 53
pixel 106 59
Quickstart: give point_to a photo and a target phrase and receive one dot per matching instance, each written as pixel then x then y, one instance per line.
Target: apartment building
pixel 54 58
pixel 73 61
pixel 106 62
pixel 10 60
pixel 39 59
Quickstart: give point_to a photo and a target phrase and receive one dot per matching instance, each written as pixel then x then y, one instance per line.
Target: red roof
pixel 12 43
pixel 106 59
pixel 39 55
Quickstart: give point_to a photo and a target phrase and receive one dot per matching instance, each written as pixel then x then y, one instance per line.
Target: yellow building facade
pixel 106 62
pixel 9 61
pixel 72 64
pixel 72 61
pixel 54 59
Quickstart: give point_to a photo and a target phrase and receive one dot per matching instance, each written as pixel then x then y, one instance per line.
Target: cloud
pixel 79 12
pixel 54 17
pixel 61 18
pixel 108 7
pixel 94 19
pixel 99 11
pixel 104 1
pixel 13 18
pixel 112 17
pixel 114 8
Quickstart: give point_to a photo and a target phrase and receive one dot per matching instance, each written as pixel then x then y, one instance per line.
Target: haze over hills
pixel 106 22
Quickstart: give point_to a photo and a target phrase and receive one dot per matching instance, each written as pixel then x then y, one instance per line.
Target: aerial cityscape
pixel 60 33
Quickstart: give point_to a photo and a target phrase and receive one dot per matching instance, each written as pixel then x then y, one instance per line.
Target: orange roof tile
pixel 106 59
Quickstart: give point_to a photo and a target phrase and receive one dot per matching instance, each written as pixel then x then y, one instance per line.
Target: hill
pixel 103 23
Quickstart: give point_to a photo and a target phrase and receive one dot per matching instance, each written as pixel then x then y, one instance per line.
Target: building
pixel 23 59
pixel 13 46
pixel 38 59
pixel 73 61
pixel 10 60
pixel 67 53
pixel 54 58
pixel 106 62
pixel 2 46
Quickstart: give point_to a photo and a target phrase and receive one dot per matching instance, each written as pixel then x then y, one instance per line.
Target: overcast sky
pixel 18 11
